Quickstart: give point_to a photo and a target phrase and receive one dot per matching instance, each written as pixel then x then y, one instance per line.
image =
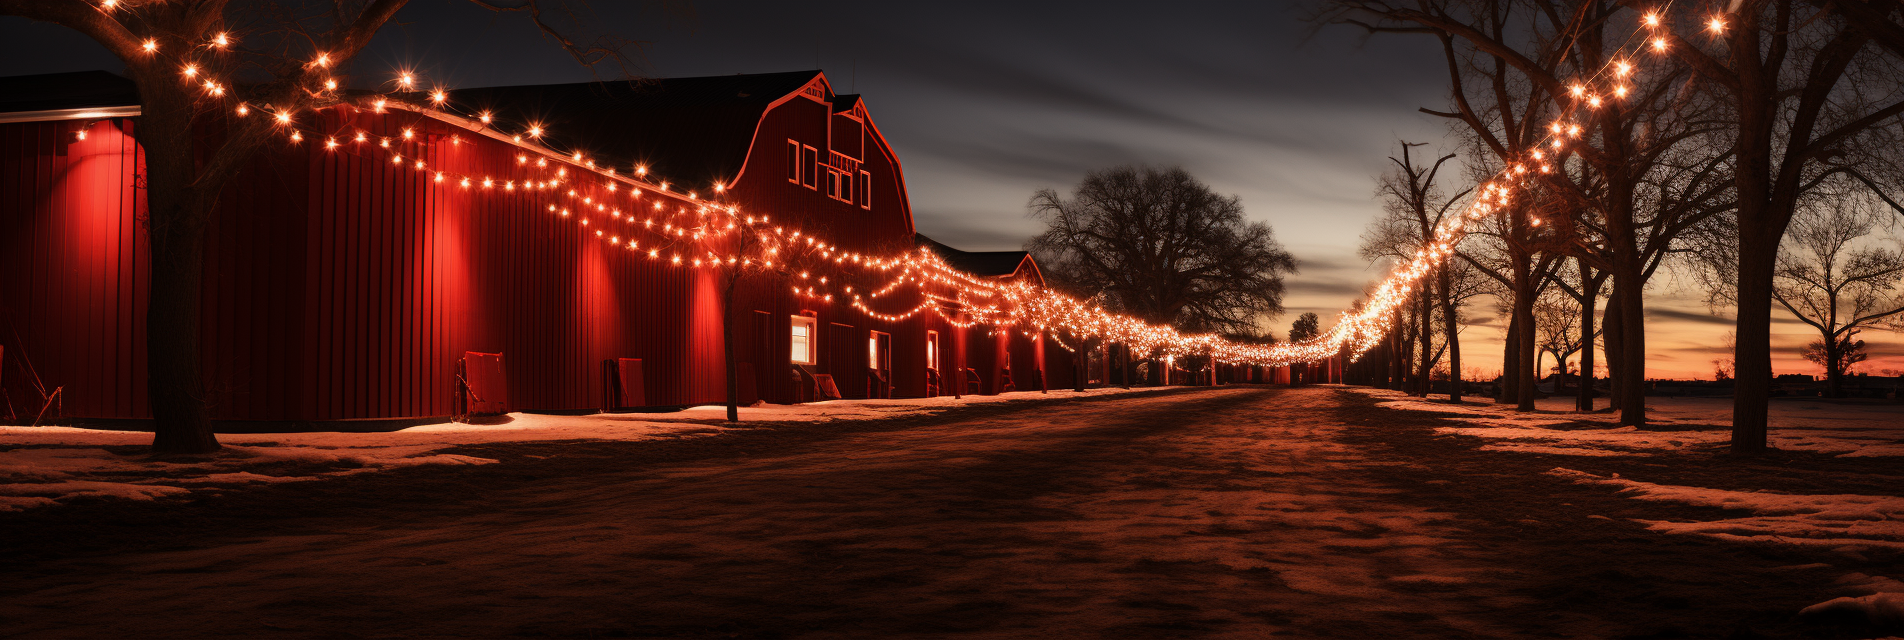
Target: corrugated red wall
pixel 343 286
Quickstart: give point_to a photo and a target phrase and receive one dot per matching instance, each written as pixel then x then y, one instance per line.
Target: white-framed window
pixel 793 161
pixel 805 340
pixel 865 190
pixel 872 350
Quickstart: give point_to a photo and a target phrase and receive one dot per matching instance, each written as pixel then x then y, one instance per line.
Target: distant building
pixel 343 286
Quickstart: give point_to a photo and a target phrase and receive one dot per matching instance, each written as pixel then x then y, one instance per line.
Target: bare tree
pixel 1414 206
pixel 1161 246
pixel 1557 330
pixel 1802 87
pixel 1519 67
pixel 1835 281
pixel 249 70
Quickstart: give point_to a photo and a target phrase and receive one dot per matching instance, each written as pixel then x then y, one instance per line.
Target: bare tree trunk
pixel 177 215
pixel 1426 317
pixel 1615 339
pixel 1524 346
pixel 1835 367
pixel 1449 324
pixel 1590 297
pixel 1399 359
pixel 1510 381
pixel 1627 288
pixel 1752 356
pixel 181 419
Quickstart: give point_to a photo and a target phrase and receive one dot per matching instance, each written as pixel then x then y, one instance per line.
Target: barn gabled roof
pixel 693 131
pixel 994 264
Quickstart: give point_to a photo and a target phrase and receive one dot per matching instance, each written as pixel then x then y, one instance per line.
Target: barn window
pixel 865 190
pixel 810 163
pixel 803 340
pixel 793 162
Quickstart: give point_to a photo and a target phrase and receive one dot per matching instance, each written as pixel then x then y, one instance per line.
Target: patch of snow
pixel 1832 520
pixel 88 488
pixel 242 477
pixel 1846 430
pixel 52 461
pixel 22 503
pixel 1882 608
pixel 1520 447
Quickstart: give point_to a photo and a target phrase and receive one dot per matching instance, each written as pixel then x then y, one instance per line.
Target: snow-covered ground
pixel 43 466
pixel 1847 430
pixel 1839 521
pixel 1843 522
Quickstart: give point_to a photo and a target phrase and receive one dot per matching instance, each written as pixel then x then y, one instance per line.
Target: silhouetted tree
pixel 1159 245
pixel 1306 327
pixel 1835 285
pixel 1414 205
pixel 1807 87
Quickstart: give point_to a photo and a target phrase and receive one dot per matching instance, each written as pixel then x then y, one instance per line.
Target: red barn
pixel 349 273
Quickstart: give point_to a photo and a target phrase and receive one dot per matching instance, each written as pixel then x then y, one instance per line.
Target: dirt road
pixel 1235 512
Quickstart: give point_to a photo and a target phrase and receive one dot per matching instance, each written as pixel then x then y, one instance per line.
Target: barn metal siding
pixel 72 268
pixel 341 286
pixel 413 272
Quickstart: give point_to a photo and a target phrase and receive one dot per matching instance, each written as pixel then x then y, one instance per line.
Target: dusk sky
pixel 987 102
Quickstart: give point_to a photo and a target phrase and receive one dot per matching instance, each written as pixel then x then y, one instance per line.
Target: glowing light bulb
pixel 297 137
pixel 1659 44
pixel 150 45
pixel 243 110
pixel 438 96
pixel 408 134
pixel 1652 19
pixel 284 117
pixel 191 70
pixel 221 39
pixel 535 131
pixel 330 84
pixel 1716 25
pixel 1622 68
pixel 406 81
pixel 1578 91
pixel 379 104
pixel 485 117
pixel 323 60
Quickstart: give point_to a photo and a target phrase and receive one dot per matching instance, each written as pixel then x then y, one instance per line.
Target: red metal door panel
pixel 486 383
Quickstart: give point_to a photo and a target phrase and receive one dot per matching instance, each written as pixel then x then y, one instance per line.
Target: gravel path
pixel 1233 512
